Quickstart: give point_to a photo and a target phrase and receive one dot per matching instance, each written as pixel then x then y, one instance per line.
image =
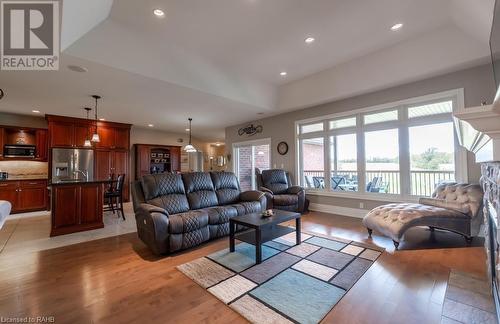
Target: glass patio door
pixel 247 157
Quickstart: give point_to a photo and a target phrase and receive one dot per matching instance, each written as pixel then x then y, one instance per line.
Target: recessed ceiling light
pixel 36 111
pixel 283 73
pixel 159 12
pixel 151 125
pixel 77 68
pixel 217 144
pixel 309 40
pixel 396 26
pixel 187 129
pixel 102 119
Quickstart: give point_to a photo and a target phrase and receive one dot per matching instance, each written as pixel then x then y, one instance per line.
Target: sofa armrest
pixel 254 195
pixel 294 190
pixel 265 190
pixel 462 208
pixel 152 227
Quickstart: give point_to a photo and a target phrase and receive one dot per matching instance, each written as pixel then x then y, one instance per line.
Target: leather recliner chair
pixel 175 212
pixel 280 192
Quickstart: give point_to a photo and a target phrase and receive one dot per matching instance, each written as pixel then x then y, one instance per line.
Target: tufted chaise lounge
pixel 175 212
pixel 453 207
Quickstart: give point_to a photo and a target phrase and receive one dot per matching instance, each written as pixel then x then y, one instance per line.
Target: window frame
pixel 402 124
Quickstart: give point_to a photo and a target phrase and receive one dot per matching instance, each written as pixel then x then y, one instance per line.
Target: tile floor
pixel 467 301
pixel 29 232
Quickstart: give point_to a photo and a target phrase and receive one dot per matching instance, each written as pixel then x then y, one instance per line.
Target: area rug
pixel 293 284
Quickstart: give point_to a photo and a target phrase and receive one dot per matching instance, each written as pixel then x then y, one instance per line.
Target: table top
pixel 256 220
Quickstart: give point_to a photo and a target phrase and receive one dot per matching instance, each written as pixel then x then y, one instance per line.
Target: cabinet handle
pixel 33 183
pixel 3 185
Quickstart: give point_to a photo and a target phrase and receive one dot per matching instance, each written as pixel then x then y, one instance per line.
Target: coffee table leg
pixel 297 230
pixel 258 247
pixel 231 236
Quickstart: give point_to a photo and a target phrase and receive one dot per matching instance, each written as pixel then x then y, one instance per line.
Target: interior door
pixel 248 157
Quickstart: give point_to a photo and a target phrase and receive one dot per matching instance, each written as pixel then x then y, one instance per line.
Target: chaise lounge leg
pixel 431 228
pixel 396 244
pixel 370 231
pixel 468 239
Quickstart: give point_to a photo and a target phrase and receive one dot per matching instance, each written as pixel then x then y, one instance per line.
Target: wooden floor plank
pixel 118 280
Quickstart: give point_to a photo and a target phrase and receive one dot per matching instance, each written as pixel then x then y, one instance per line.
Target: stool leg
pixel 370 231
pixel 121 207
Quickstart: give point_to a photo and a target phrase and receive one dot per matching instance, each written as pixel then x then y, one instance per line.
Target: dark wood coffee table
pixel 262 229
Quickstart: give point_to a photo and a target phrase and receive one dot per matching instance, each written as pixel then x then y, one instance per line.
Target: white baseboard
pixel 338 210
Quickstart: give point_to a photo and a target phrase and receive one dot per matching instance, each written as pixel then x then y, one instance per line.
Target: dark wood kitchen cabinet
pixel 42 145
pixel 76 207
pixel 67 133
pixel 13 135
pixel 1 142
pixel 113 136
pixel 108 162
pixel 25 195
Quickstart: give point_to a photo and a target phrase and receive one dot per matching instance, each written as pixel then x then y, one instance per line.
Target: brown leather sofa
pixel 280 192
pixel 175 212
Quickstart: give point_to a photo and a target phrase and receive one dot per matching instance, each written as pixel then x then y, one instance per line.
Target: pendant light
pixel 95 136
pixel 190 148
pixel 87 142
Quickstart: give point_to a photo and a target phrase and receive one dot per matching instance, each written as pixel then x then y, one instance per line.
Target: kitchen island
pixel 77 205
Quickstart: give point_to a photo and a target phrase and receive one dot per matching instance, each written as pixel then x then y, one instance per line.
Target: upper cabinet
pixel 67 133
pixel 113 136
pixel 23 136
pixel 42 144
pixel 72 133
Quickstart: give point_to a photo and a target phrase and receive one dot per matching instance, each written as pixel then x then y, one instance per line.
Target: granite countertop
pixel 77 181
pixel 26 177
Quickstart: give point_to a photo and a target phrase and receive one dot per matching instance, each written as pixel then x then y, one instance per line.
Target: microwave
pixel 24 151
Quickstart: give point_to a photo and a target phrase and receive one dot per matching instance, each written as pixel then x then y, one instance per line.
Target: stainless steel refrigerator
pixel 72 163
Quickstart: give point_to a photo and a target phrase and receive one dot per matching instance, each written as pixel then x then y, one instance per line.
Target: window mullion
pixel 326 162
pixel 361 163
pixel 404 153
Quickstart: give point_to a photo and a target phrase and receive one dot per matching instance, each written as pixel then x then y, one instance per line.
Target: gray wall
pixel 8 119
pixel 478 86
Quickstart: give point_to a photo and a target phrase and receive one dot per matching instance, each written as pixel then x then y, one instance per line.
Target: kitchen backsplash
pixel 25 168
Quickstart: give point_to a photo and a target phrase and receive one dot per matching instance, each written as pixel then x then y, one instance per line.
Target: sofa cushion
pixel 200 190
pixel 227 187
pixel 187 222
pixel 165 190
pixel 275 180
pixel 220 214
pixel 286 200
pixel 248 207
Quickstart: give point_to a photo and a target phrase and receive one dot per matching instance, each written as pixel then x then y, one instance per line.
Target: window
pixel 431 162
pixel 313 161
pixel 381 117
pixel 311 128
pixel 343 123
pixel 343 159
pixel 431 109
pixel 382 161
pixel 401 149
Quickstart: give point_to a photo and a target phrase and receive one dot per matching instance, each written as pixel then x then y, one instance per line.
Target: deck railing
pixel 388 181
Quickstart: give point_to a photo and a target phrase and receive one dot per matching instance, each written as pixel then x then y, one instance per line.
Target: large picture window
pixel 401 149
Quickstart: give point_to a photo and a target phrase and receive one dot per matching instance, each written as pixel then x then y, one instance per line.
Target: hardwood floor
pixel 117 280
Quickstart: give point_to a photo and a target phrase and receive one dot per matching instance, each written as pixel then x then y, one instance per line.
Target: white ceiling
pixel 219 61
